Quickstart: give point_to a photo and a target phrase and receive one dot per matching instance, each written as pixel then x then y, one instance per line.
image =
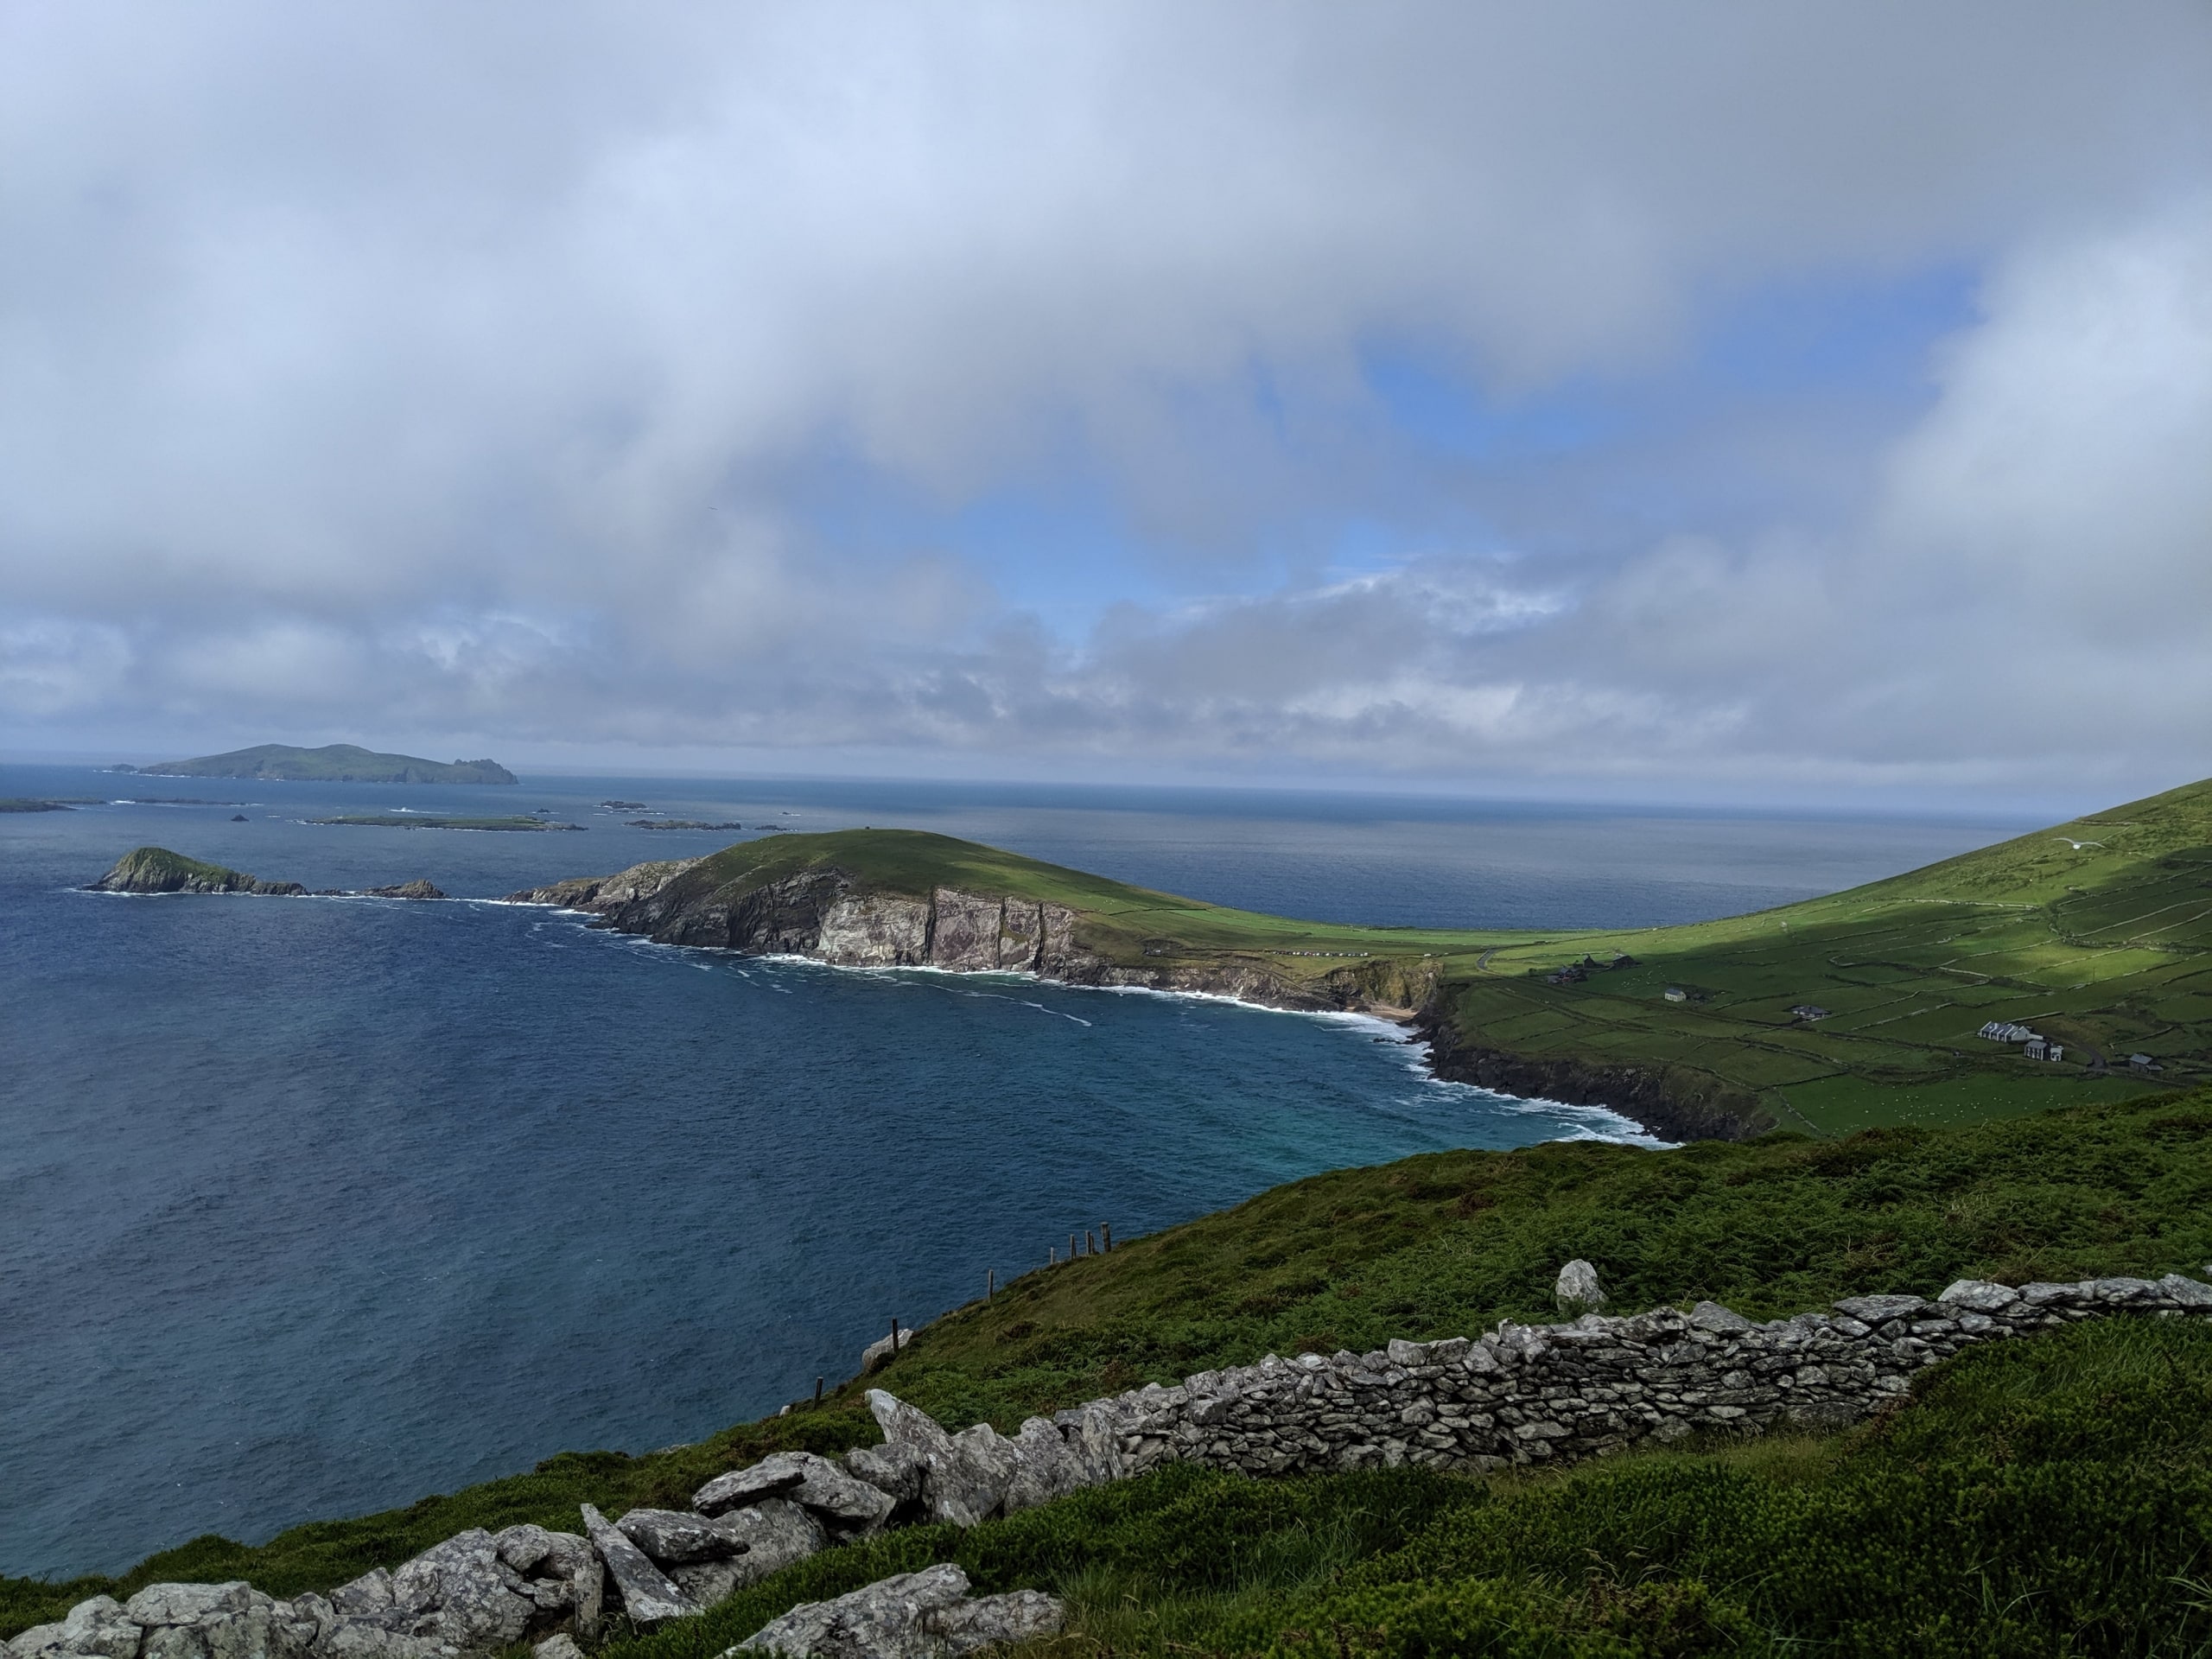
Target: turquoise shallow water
pixel 309 1207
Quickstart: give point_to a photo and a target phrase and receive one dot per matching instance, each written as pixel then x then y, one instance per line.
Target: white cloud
pixel 453 366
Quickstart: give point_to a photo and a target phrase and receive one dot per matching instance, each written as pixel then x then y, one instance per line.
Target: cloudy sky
pixel 1788 400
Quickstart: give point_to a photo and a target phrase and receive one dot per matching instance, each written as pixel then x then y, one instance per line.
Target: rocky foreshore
pixel 1518 1395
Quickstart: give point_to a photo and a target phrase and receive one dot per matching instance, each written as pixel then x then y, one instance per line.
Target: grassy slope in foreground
pixel 333 763
pixel 1441 1244
pixel 2101 944
pixel 2046 1496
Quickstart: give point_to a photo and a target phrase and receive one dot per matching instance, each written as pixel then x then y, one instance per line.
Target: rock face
pixel 912 1616
pixel 157 869
pixel 826 915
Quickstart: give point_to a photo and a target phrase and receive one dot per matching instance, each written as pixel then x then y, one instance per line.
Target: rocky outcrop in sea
pixel 1516 1395
pixel 157 869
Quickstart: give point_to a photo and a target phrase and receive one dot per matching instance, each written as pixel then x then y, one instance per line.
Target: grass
pixel 1445 1243
pixel 2103 945
pixel 2052 1496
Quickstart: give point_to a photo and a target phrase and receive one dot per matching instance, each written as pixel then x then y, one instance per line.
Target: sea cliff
pixel 833 915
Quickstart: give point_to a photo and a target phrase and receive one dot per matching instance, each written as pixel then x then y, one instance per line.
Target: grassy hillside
pixel 2095 933
pixel 333 763
pixel 2043 1497
pixel 1435 1245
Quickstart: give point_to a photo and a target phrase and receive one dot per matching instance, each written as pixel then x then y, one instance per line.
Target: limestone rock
pixel 369 1594
pixel 462 1595
pixel 877 1354
pixel 966 1476
pixel 767 1479
pixel 996 1621
pixel 97 1626
pixel 564 1575
pixel 1979 1296
pixel 672 1538
pixel 841 1500
pixel 647 1596
pixel 776 1533
pixel 1724 1321
pixel 562 1646
pixel 1095 1444
pixel 895 1469
pixel 883 1621
pixel 1578 1286
pixel 1044 1469
pixel 2189 1293
pixel 925 1615
pixel 1880 1310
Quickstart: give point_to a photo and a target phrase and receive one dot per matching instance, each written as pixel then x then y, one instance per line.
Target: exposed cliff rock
pixel 1671 1102
pixel 829 915
pixel 157 869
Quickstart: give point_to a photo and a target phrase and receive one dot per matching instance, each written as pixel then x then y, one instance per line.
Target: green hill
pixel 334 763
pixel 2054 1486
pixel 2094 933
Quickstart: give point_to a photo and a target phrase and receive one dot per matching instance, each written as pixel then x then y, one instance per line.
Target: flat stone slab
pixel 647 1596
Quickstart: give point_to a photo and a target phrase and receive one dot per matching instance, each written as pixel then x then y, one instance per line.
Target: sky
pixel 1790 402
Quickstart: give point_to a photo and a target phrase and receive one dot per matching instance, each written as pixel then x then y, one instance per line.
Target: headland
pixel 2084 946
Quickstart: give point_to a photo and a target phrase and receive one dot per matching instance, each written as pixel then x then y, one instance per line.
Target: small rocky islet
pixel 157 869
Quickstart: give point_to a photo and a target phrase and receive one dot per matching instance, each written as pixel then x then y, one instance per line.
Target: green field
pixel 2053 1485
pixel 2102 946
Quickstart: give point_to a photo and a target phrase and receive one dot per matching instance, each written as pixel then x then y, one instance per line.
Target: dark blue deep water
pixel 310 1207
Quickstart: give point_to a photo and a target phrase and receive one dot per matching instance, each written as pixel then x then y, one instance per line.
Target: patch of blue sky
pixel 1821 338
pixel 1774 412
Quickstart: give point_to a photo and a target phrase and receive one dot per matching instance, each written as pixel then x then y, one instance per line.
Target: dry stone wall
pixel 1518 1394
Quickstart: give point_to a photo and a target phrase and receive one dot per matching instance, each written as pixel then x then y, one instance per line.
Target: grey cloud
pixel 448 368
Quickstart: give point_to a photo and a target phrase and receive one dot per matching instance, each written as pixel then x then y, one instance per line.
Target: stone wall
pixel 1538 1393
pixel 1519 1394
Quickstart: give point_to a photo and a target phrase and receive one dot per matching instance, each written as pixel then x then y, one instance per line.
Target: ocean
pixel 310 1207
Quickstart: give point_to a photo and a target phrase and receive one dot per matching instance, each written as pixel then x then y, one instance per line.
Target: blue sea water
pixel 311 1207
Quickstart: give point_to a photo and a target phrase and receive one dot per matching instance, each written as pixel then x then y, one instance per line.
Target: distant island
pixel 157 869
pixel 426 821
pixel 333 763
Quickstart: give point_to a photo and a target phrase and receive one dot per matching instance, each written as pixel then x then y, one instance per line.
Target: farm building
pixel 2003 1030
pixel 2042 1048
pixel 1809 1011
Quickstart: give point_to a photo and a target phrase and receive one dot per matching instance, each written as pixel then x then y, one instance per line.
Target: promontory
pixel 2070 966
